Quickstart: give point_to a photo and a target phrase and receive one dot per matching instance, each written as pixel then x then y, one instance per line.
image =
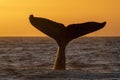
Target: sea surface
pixel 85 54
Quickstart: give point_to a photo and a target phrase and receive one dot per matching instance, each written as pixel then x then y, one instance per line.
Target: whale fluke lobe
pixel 63 35
pixel 76 30
pixel 49 27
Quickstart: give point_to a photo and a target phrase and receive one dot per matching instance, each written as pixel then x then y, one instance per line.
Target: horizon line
pixel 50 37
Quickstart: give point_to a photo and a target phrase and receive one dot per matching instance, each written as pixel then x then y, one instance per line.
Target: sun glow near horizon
pixel 14 15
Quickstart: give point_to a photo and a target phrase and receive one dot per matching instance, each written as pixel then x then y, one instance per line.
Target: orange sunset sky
pixel 14 15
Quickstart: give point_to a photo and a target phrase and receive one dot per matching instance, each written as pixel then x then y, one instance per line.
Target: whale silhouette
pixel 63 35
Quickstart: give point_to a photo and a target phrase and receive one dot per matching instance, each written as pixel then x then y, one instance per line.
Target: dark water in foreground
pixel 86 54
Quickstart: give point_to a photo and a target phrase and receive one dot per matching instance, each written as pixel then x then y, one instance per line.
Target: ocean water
pixel 86 54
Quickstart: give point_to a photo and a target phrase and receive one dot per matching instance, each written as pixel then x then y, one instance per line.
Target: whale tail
pixel 63 35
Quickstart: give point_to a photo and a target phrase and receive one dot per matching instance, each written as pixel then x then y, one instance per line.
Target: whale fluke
pixel 63 35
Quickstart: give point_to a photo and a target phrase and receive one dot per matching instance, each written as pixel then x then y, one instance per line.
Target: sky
pixel 14 15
